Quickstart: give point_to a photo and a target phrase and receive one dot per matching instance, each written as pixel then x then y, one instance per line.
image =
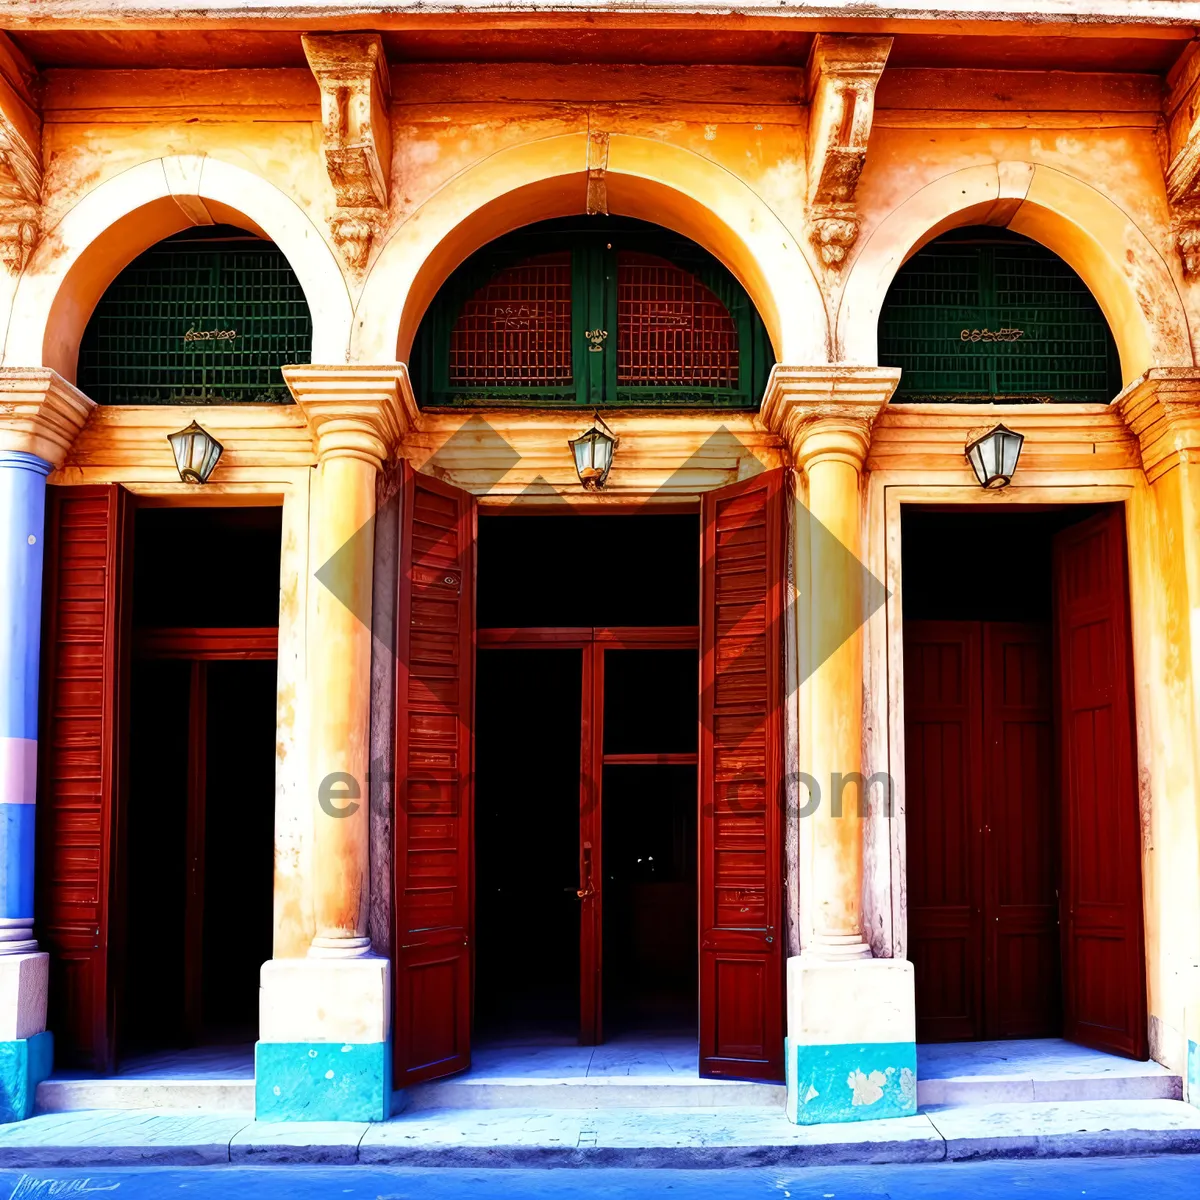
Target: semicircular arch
pixel 1088 231
pixel 82 253
pixel 647 179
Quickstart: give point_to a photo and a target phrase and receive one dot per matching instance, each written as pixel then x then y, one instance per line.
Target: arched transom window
pixel 598 313
pixel 982 314
pixel 206 317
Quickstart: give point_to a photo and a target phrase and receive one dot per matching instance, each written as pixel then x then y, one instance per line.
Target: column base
pixel 324 1050
pixel 851 1052
pixel 24 1063
pixel 322 1081
pixel 24 987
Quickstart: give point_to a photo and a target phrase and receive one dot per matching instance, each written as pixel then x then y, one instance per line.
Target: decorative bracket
pixel 352 72
pixel 842 75
pixel 20 159
pixel 1181 107
pixel 597 167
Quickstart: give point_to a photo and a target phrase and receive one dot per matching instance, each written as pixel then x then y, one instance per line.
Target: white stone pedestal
pixel 851 1050
pixel 324 1051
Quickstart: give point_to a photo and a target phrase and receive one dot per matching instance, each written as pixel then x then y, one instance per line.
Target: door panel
pixel 741 753
pixel 943 813
pixel 1021 953
pixel 434 647
pixel 85 649
pixel 1104 963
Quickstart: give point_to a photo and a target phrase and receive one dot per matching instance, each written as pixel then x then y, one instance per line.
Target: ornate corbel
pixel 1181 107
pixel 351 71
pixel 20 160
pixel 842 75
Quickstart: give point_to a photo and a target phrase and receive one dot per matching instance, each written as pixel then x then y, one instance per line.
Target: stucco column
pixel 40 415
pixel 357 416
pixel 825 415
pixel 1162 409
pixel 851 1051
pixel 324 1048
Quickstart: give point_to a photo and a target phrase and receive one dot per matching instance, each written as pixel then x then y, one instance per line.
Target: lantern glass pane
pixel 602 452
pixel 975 458
pixel 1012 449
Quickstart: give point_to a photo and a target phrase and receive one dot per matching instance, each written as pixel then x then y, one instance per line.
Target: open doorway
pixel 198 823
pixel 1023 847
pixel 586 718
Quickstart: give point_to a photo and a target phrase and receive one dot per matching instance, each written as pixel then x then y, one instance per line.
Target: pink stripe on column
pixel 18 770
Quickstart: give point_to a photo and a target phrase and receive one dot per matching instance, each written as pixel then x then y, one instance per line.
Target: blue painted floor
pixel 1165 1178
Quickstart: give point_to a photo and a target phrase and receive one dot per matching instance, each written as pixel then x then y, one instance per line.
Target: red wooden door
pixel 943 815
pixel 433 810
pixel 1020 835
pixel 741 759
pixel 1103 958
pixel 85 649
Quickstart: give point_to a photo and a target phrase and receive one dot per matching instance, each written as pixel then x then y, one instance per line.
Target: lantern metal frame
pixel 599 434
pixel 195 467
pixel 994 475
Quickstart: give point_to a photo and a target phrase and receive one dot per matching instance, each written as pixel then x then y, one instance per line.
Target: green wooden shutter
pixel 980 316
pixel 153 337
pixel 723 361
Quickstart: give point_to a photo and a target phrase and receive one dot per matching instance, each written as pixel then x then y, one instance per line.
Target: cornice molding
pixel 40 412
pixel 826 412
pixel 361 412
pixel 1162 410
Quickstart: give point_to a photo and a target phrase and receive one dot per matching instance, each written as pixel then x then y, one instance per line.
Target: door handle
pixel 587 890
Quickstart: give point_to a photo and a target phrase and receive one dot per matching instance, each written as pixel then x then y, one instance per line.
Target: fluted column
pixel 357 414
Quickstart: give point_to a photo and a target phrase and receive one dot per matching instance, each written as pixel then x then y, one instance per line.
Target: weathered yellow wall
pixel 718 154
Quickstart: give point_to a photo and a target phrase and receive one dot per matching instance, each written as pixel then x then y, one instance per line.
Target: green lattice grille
pixel 135 349
pixel 1064 351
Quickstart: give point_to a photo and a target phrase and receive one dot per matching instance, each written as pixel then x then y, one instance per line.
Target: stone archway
pixel 80 256
pixel 1100 242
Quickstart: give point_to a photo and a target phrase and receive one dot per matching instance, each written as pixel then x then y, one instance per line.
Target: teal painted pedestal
pixel 851 1082
pixel 23 1065
pixel 322 1081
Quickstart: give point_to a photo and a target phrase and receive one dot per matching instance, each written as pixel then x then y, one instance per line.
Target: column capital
pixel 355 411
pixel 1162 410
pixel 826 412
pixel 40 413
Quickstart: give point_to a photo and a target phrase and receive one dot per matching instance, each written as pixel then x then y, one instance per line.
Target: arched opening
pixel 207 316
pixel 591 312
pixel 982 314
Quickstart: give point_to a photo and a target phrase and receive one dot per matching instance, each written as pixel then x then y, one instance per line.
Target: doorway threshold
pixel 203 1079
pixel 629 1072
pixel 1035 1069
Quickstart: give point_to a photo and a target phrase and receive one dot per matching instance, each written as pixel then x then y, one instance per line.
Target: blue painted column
pixel 22 532
pixel 25 1047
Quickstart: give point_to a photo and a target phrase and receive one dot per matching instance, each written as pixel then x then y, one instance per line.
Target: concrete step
pixel 609 1137
pixel 1035 1071
pixel 224 1096
pixel 1113 1127
pixel 471 1091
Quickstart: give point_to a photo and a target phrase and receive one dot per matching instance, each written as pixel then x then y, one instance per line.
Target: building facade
pixel 405 728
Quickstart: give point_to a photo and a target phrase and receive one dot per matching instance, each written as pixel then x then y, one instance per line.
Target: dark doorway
pixel 198 823
pixel 650 922
pixel 1021 869
pixel 527 755
pixel 586 792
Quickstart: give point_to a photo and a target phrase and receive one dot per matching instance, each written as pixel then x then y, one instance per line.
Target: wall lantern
pixel 594 454
pixel 196 453
pixel 993 457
